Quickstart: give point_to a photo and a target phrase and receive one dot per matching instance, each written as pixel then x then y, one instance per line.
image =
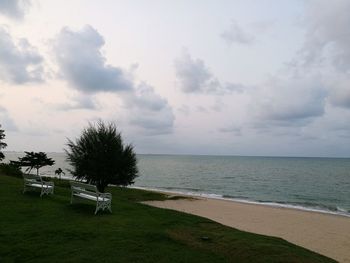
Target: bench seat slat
pixel 40 185
pixel 92 197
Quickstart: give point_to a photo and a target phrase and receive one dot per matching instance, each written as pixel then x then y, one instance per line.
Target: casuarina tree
pixel 100 157
pixel 2 144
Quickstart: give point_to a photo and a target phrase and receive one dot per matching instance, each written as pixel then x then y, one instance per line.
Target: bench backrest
pixel 77 186
pixel 32 177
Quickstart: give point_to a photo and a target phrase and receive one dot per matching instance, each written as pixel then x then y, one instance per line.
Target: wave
pixel 304 206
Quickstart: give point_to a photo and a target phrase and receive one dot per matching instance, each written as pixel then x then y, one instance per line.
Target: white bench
pixel 90 192
pixel 35 182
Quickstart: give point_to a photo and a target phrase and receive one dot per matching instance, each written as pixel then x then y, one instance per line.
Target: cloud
pixel 83 65
pixel 339 94
pixel 79 102
pixel 233 129
pixel 235 34
pixel 149 111
pixel 326 48
pixel 20 62
pixel 7 122
pixel 14 8
pixel 184 109
pixel 235 87
pixel 289 102
pixel 195 77
pixel 327 34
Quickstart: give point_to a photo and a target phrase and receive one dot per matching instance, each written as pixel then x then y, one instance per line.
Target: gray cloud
pixel 184 109
pixel 235 34
pixel 7 122
pixel 327 48
pixel 194 77
pixel 14 8
pixel 339 94
pixel 84 66
pixel 149 111
pixel 235 87
pixel 289 102
pixel 341 98
pixel 327 35
pixel 233 129
pixel 19 62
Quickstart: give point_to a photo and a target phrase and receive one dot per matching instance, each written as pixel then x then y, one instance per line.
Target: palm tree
pixel 58 172
pixel 99 156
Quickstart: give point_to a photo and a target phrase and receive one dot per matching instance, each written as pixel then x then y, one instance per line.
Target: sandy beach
pixel 323 233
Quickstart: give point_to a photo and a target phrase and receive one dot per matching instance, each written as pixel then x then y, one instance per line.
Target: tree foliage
pixel 100 157
pixel 10 169
pixel 34 160
pixel 2 144
pixel 58 172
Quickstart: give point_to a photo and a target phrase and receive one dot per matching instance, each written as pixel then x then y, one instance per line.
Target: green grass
pixel 49 229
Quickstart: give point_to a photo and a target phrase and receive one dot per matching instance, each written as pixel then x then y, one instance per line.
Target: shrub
pixel 100 157
pixel 10 169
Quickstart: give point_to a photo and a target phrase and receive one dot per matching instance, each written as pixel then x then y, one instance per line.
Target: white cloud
pixel 81 101
pixel 83 65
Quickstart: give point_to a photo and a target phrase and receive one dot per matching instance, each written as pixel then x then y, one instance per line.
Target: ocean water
pixel 321 184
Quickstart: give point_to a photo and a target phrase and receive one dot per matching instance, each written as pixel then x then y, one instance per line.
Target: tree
pixel 2 144
pixel 100 157
pixel 58 172
pixel 34 160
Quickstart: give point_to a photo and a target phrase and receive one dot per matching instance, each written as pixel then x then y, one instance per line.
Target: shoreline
pixel 327 234
pixel 244 201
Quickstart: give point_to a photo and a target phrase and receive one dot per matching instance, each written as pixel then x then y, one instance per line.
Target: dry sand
pixel 323 233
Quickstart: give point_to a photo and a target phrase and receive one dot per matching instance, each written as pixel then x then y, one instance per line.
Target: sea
pixel 314 184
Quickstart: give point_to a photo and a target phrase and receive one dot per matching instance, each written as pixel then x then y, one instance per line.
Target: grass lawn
pixel 51 230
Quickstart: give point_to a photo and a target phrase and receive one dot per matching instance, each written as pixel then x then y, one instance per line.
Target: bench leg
pixel 46 190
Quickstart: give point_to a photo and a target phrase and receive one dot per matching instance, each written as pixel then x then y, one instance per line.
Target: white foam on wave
pixel 340 212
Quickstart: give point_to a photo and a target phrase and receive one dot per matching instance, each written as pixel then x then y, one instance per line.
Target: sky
pixel 235 77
